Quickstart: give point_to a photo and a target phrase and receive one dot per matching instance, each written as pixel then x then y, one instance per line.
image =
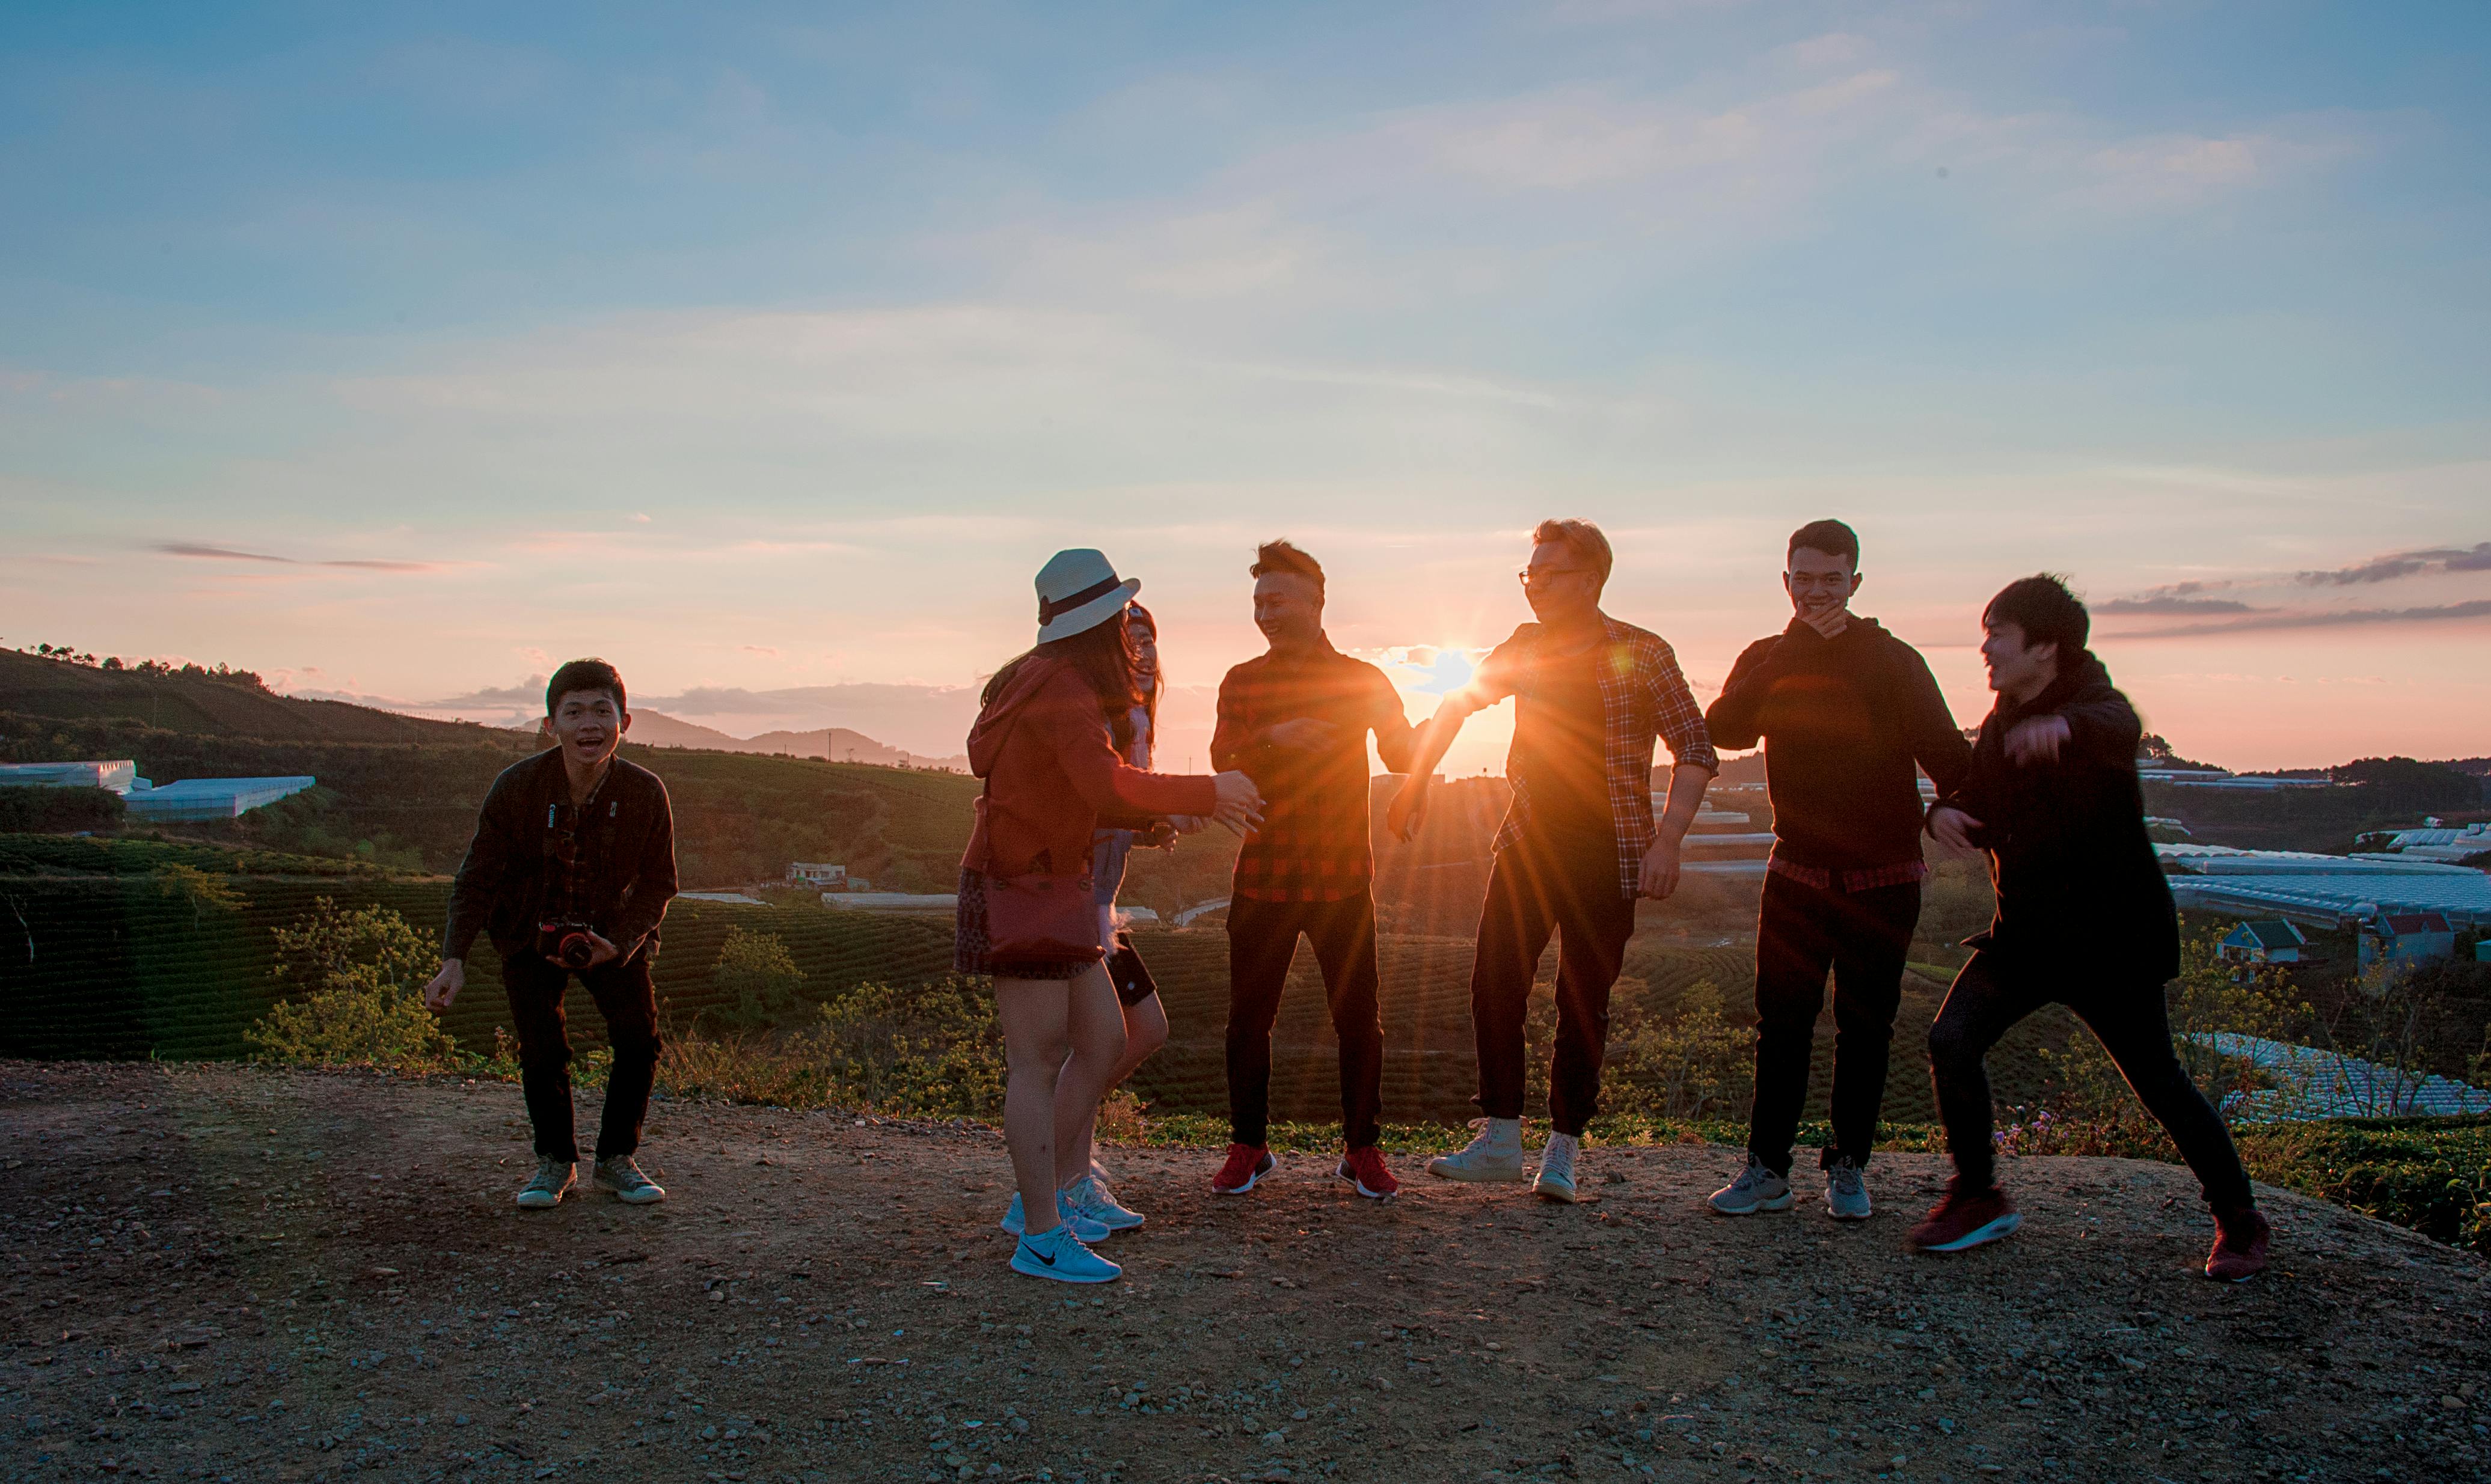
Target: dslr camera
pixel 566 943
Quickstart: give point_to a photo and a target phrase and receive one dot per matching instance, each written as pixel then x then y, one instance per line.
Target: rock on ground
pixel 215 1272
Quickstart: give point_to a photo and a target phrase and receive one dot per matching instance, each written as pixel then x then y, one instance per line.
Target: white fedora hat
pixel 1079 590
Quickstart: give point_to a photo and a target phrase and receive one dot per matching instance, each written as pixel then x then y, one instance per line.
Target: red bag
pixel 1041 916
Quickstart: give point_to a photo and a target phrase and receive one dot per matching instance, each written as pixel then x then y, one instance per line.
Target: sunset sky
pixel 397 352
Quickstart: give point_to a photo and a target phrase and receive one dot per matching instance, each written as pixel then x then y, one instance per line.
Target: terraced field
pixel 98 961
pixel 115 969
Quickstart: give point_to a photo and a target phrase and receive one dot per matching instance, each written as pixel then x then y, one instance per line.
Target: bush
pixel 756 978
pixel 357 974
pixel 197 891
pixel 46 810
pixel 936 1049
pixel 1691 1064
pixel 2210 998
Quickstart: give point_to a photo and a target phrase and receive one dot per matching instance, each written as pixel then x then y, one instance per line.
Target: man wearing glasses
pixel 1579 845
pixel 1845 710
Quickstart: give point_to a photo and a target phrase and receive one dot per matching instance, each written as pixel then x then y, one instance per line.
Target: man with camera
pixel 570 872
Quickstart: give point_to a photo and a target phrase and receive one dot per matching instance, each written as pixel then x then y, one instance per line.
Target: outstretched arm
pixel 1429 744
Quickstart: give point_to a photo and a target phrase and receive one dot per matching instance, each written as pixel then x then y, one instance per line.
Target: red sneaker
pixel 1965 1219
pixel 1245 1165
pixel 1364 1171
pixel 2240 1246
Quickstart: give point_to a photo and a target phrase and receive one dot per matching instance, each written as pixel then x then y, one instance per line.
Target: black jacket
pixel 627 854
pixel 1843 721
pixel 2079 886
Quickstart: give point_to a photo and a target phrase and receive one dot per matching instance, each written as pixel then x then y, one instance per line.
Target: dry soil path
pixel 219 1273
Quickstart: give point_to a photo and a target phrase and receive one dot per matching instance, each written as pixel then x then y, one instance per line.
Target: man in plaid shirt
pixel 1295 722
pixel 1579 845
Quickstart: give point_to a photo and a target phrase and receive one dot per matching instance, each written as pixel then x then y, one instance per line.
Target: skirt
pixel 971 945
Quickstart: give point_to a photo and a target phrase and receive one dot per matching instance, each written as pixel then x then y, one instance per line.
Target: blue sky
pixel 761 348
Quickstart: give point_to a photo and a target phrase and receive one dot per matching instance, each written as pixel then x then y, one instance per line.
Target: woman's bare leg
pixel 1146 1031
pixel 1094 1027
pixel 1037 1020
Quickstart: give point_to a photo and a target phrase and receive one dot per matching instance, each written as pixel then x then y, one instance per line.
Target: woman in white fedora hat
pixel 1049 742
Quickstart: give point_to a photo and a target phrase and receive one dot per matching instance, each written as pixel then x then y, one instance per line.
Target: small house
pixel 2407 938
pixel 2271 941
pixel 817 873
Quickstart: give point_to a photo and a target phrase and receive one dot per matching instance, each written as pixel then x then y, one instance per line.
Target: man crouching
pixel 570 871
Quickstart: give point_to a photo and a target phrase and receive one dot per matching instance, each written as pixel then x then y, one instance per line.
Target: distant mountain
pixel 657 729
pixel 205 702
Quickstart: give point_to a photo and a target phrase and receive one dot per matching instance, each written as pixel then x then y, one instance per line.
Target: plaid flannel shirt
pixel 1312 846
pixel 1643 696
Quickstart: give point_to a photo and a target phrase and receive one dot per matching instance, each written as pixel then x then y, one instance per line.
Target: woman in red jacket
pixel 1049 743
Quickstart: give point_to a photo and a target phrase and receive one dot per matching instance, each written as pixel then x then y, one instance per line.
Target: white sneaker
pixel 1087 1228
pixel 1058 1254
pixel 1556 1160
pixel 1090 1197
pixel 1493 1156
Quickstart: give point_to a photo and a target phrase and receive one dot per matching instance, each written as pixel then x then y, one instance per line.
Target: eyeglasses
pixel 1530 576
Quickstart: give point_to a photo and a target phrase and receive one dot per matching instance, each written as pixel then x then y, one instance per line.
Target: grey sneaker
pixel 622 1175
pixel 546 1188
pixel 1846 1192
pixel 1756 1189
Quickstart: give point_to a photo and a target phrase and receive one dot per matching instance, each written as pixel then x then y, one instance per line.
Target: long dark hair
pixel 1157 674
pixel 1099 654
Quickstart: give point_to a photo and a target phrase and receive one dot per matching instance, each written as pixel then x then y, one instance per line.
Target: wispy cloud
pixel 2168 603
pixel 2403 564
pixel 205 553
pixel 2340 618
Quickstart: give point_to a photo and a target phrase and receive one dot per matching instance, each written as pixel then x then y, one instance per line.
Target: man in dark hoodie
pixel 1845 709
pixel 2052 795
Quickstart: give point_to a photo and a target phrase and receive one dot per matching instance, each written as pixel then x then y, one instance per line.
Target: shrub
pixel 936 1049
pixel 357 975
pixel 196 889
pixel 2209 999
pixel 756 978
pixel 1693 1064
pixel 46 810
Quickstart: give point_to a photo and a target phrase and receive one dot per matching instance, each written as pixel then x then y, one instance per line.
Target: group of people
pixel 573 865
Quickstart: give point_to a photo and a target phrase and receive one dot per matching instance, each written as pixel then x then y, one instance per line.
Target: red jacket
pixel 1053 778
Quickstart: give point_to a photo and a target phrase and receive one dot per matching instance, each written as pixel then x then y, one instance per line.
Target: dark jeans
pixel 1863 938
pixel 1262 940
pixel 1540 886
pixel 2126 1011
pixel 628 1001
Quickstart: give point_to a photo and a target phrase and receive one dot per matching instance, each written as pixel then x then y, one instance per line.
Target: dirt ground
pixel 221 1273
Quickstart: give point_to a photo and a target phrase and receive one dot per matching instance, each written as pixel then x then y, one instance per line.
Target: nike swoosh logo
pixel 1041 1257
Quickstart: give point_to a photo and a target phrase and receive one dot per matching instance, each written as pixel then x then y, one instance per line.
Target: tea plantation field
pixel 99 957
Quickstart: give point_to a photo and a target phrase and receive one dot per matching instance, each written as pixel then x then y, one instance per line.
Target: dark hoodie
pixel 1053 778
pixel 2078 883
pixel 1843 721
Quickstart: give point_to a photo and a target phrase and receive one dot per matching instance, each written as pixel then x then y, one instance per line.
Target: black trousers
pixel 2127 1014
pixel 1540 888
pixel 1262 940
pixel 1863 938
pixel 628 1001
